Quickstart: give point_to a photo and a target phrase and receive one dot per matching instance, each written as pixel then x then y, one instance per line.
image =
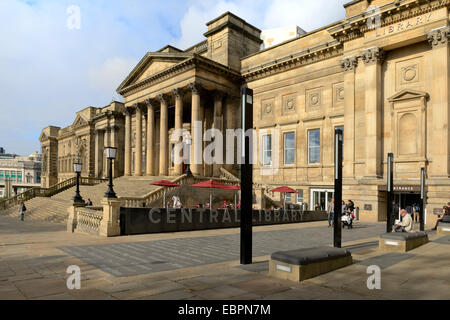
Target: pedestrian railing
pixel 48 192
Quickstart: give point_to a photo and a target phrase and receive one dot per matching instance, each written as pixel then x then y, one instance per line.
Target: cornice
pixel 308 56
pixel 393 12
pixel 195 62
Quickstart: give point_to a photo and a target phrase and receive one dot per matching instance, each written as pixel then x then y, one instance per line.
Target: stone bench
pixel 402 241
pixel 443 228
pixel 302 264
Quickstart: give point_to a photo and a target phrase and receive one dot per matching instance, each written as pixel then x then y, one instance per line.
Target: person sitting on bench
pixel 446 212
pixel 406 224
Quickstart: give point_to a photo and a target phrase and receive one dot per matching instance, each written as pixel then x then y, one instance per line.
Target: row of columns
pixel 196 133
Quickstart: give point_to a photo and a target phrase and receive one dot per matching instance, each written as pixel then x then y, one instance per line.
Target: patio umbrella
pixel 236 188
pixel 164 183
pixel 284 190
pixel 210 184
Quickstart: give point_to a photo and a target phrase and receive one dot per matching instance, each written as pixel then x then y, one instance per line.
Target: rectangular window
pixel 134 161
pixel 314 146
pixel 288 198
pixel 299 196
pixel 19 176
pixel 289 148
pixel 38 177
pixel 2 175
pixel 13 176
pixel 267 150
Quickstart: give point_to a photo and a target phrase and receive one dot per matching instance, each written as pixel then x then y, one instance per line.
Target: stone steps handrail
pixel 229 175
pixel 88 220
pixel 48 192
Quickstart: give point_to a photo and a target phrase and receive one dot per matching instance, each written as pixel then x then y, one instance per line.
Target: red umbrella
pixel 284 190
pixel 164 183
pixel 210 184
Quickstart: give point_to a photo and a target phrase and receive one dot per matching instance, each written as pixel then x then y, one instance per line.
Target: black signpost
pixel 246 178
pixel 422 199
pixel 390 191
pixel 337 234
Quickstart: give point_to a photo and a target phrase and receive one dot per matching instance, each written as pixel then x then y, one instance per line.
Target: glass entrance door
pixel 321 197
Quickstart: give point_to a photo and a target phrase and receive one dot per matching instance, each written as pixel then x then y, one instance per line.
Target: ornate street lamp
pixel 77 166
pixel 110 155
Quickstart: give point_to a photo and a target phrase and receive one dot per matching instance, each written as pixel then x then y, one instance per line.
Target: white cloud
pixel 108 76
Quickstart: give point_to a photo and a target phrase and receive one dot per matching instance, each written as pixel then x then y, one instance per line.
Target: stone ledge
pixel 402 241
pixel 443 228
pixel 303 264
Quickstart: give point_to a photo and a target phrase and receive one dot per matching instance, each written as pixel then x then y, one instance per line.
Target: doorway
pixel 405 199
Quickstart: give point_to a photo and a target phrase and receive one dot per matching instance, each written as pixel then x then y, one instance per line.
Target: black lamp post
pixel 77 166
pixel 422 199
pixel 390 191
pixel 337 232
pixel 110 155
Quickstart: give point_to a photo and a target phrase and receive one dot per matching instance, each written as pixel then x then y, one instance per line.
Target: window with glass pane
pixel 299 195
pixel 289 148
pixel 19 176
pixel 267 150
pixel 38 177
pixel 2 175
pixel 288 197
pixel 314 146
pixel 13 176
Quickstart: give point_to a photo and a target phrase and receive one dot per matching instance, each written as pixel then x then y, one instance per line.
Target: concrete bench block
pixel 443 228
pixel 302 264
pixel 402 241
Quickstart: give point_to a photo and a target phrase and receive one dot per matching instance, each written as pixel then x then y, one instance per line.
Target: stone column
pixel 218 124
pixel 127 170
pixel 150 153
pixel 178 126
pixel 138 151
pixel 373 59
pixel 163 137
pixel 99 147
pixel 230 123
pixel 349 65
pixel 196 131
pixel 440 149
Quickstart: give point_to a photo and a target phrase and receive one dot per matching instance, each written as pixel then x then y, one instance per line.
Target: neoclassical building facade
pixel 92 130
pixel 381 74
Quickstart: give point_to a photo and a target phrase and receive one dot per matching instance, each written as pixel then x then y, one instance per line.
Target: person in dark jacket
pixel 22 209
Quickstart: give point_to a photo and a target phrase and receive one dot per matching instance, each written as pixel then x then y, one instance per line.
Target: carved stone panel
pixel 289 104
pixel 338 95
pixel 313 99
pixel 409 73
pixel 267 108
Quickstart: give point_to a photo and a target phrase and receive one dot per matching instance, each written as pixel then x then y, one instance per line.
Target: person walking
pixel 416 210
pixel 330 212
pixel 22 209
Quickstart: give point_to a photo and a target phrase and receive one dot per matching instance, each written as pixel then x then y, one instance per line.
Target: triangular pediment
pixel 43 136
pixel 151 64
pixel 408 95
pixel 80 121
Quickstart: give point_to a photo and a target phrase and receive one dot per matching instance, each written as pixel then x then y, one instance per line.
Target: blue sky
pixel 48 71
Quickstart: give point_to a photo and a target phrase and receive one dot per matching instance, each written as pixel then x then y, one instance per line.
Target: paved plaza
pixel 34 257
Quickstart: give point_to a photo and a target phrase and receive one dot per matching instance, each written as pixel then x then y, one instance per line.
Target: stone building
pixel 381 74
pixel 18 174
pixel 84 140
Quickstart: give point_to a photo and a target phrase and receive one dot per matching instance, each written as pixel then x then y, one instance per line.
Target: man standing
pixel 330 211
pixel 22 210
pixel 406 224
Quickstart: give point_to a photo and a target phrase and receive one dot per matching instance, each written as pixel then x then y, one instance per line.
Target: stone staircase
pixel 42 209
pixel 54 209
pixel 123 186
